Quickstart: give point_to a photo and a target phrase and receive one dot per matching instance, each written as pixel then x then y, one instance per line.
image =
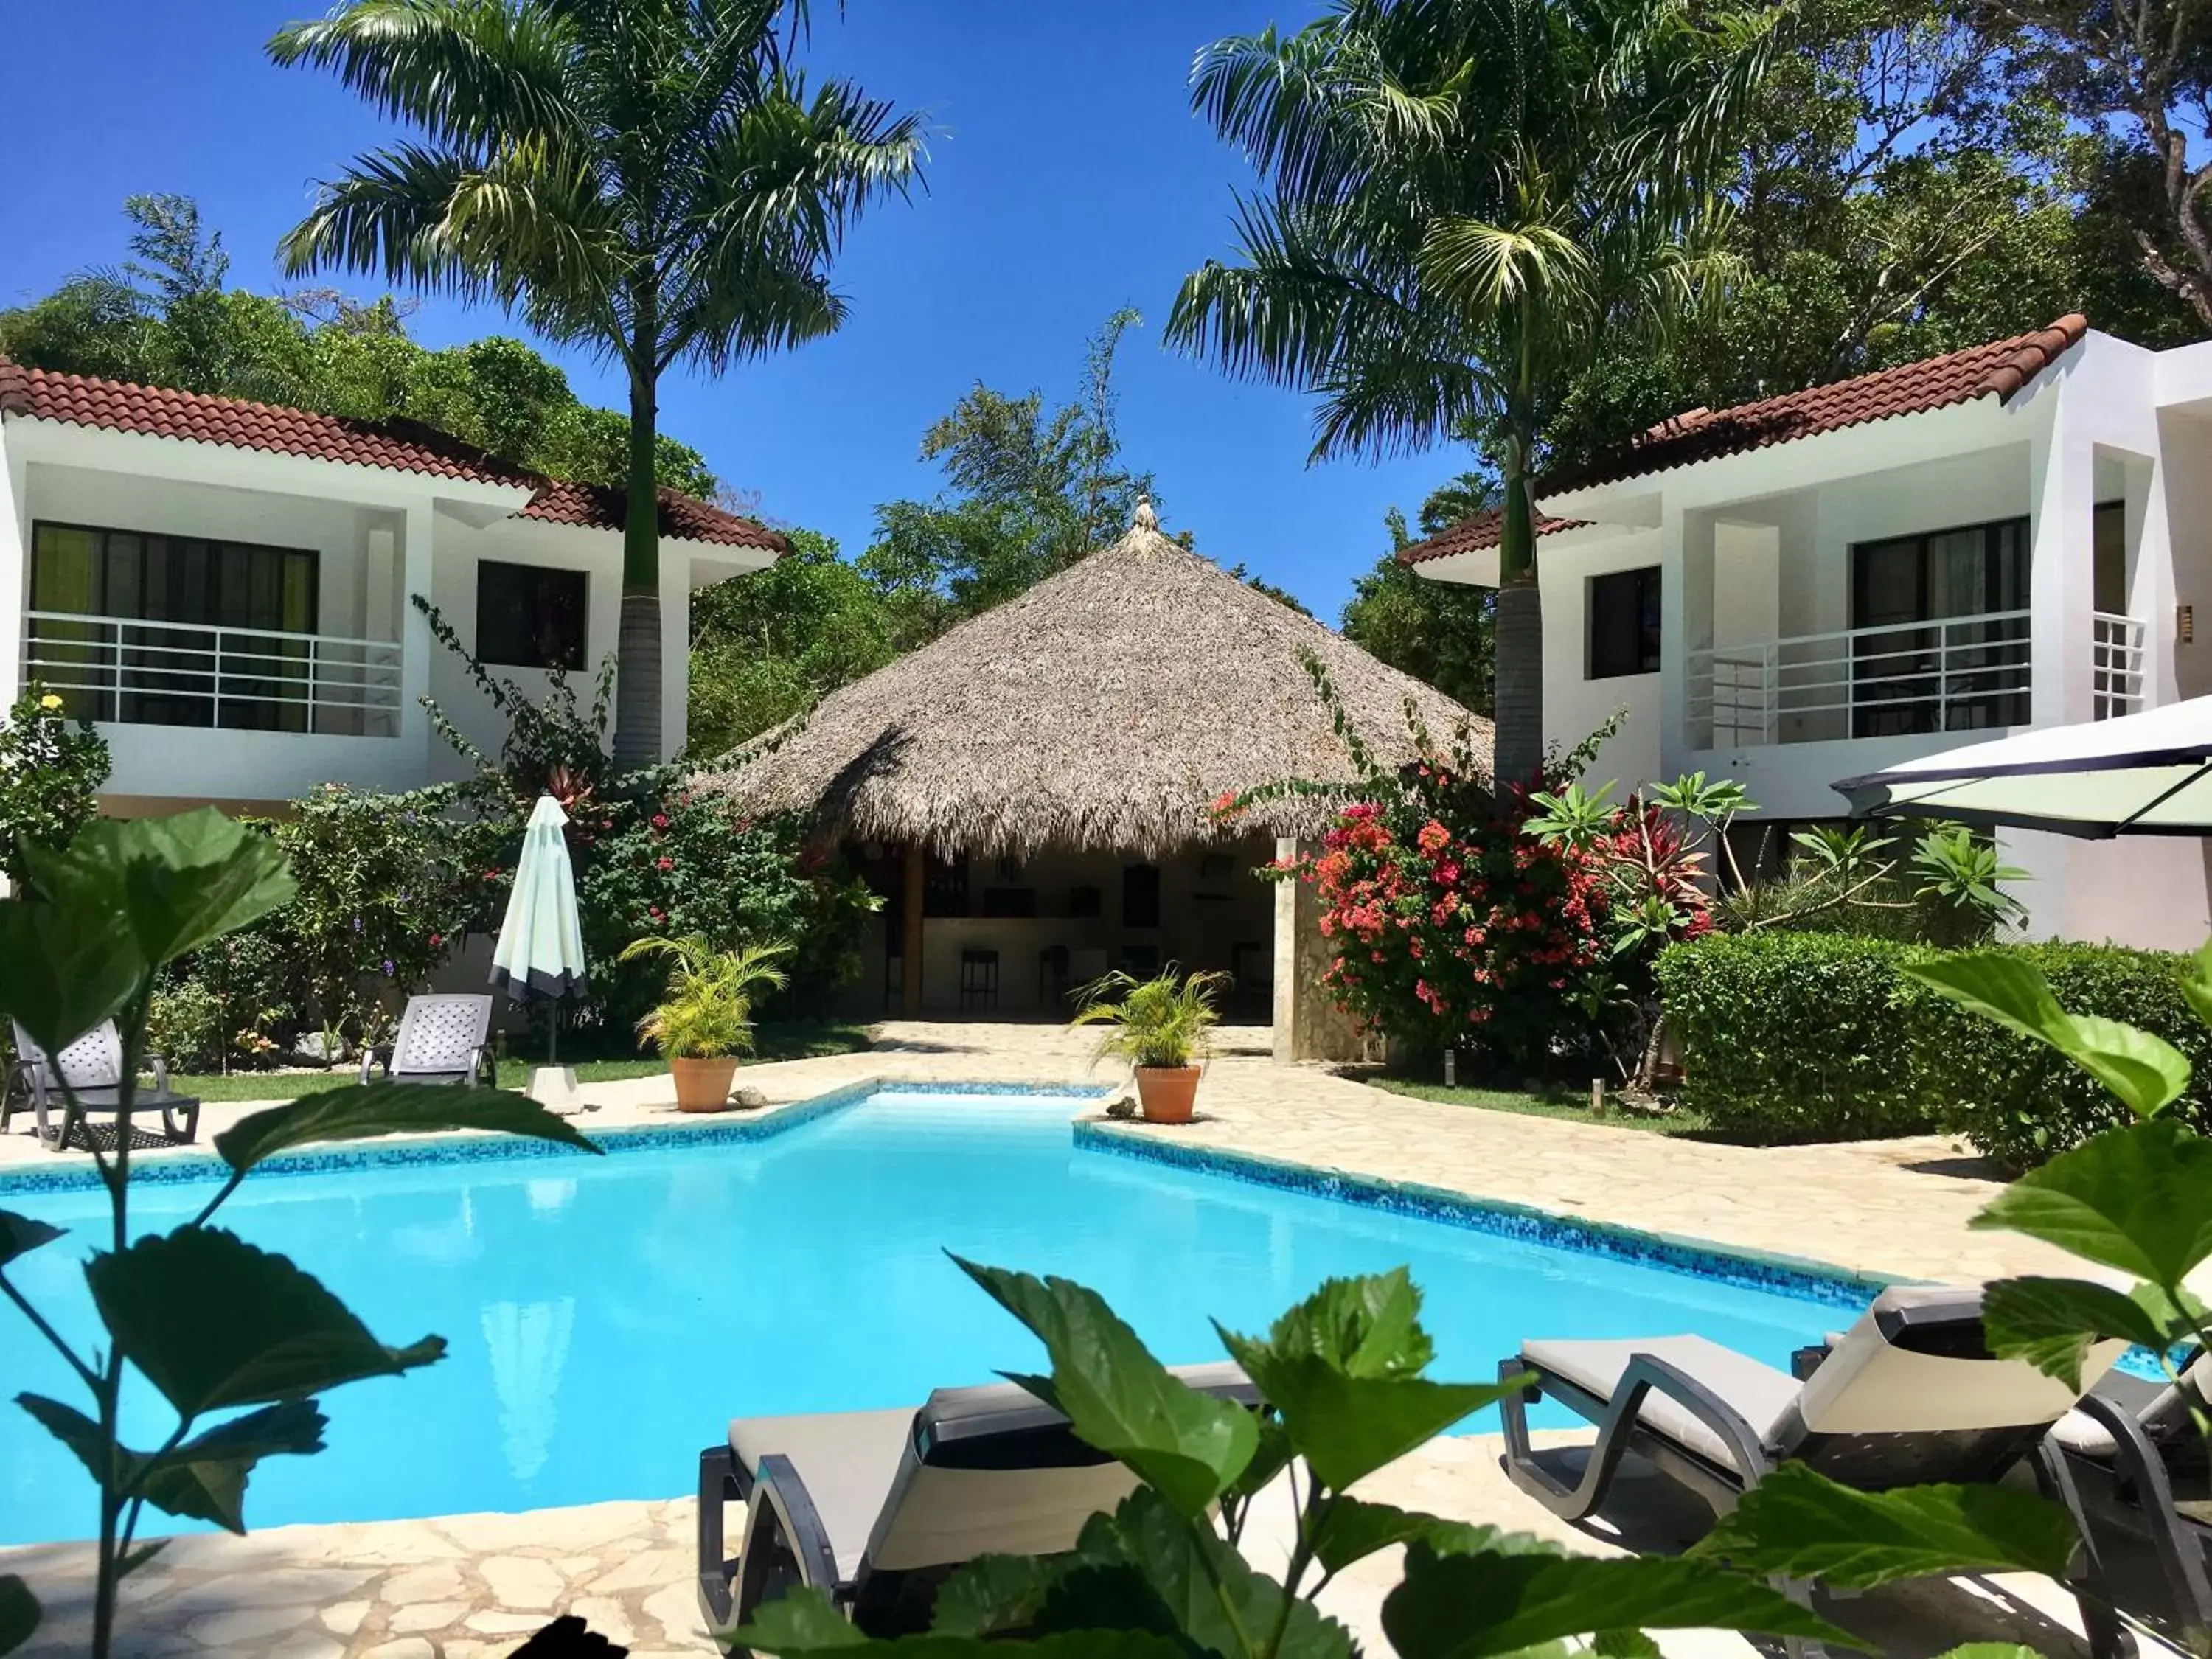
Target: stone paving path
pixel 462 1586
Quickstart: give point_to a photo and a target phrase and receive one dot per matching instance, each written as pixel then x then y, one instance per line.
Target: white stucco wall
pixel 1575 705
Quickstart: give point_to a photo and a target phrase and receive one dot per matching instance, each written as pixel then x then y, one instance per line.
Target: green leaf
pixel 1269 1458
pixel 990 1595
pixel 139 1556
pixel 205 1478
pixel 2052 1323
pixel 2137 1198
pixel 2145 1072
pixel 1624 1645
pixel 64 968
pixel 1356 1528
pixel 1465 1607
pixel 213 1321
pixel 800 1620
pixel 1215 1596
pixel 182 882
pixel 1799 1524
pixel 108 1463
pixel 19 1234
pixel 1347 1427
pixel 1364 1327
pixel 2197 982
pixel 19 1612
pixel 1189 1445
pixel 364 1111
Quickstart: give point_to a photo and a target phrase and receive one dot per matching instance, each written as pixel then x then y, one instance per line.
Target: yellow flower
pixel 50 701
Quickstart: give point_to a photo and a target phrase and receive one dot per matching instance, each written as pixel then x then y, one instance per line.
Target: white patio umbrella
pixel 2138 774
pixel 540 951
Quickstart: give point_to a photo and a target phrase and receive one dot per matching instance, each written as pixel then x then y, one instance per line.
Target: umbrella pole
pixel 552 1033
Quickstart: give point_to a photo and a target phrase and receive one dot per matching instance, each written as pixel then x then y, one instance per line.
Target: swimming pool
pixel 607 1315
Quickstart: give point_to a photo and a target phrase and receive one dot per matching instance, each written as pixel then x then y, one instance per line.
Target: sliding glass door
pixel 1941 655
pixel 130 628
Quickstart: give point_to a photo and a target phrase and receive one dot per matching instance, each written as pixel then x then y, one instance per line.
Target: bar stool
pixel 979 980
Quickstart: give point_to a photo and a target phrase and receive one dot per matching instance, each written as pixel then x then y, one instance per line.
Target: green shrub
pixel 1791 1036
pixel 1814 1036
pixel 185 1026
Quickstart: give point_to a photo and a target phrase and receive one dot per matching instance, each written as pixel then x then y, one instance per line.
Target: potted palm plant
pixel 704 1020
pixel 1160 1026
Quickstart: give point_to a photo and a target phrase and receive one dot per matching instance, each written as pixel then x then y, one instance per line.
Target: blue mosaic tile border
pixel 1813 1282
pixel 163 1171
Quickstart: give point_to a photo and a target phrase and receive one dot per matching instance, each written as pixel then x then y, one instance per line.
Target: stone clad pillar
pixel 1307 1025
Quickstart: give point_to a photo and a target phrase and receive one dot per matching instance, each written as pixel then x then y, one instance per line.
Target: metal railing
pixel 1962 673
pixel 256 679
pixel 2117 666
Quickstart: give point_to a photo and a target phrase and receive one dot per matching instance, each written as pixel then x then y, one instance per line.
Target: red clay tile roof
pixel 1999 369
pixel 1472 535
pixel 683 517
pixel 397 445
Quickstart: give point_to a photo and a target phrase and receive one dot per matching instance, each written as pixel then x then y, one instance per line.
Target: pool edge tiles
pixel 1818 1281
pixel 471 1147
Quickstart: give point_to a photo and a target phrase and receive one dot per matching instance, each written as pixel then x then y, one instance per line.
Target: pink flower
pixel 667 863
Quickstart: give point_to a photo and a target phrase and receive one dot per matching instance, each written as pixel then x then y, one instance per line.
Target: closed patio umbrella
pixel 2138 774
pixel 540 951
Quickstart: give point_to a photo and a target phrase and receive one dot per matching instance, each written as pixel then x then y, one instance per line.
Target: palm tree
pixel 1464 199
pixel 653 177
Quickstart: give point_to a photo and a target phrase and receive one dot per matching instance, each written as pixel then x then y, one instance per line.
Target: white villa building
pixel 224 587
pixel 1817 586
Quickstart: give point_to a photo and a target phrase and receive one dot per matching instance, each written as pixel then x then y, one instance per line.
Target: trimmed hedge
pixel 1818 1037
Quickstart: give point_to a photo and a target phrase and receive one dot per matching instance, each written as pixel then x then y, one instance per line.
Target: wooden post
pixel 910 933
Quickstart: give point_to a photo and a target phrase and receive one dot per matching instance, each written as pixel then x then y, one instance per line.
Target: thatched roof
pixel 1107 707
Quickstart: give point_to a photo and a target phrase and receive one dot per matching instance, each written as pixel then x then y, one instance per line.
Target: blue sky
pixel 1067 178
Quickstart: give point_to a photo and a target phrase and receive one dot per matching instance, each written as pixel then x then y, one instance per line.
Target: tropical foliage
pixel 706 1008
pixel 1166 1021
pixel 164 318
pixel 51 769
pixel 1436 254
pixel 657 181
pixel 237 1342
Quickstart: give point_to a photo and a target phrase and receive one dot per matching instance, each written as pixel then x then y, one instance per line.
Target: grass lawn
pixel 1557 1103
pixel 807 1041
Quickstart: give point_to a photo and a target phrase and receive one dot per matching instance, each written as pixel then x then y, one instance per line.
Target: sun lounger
pixel 92 1066
pixel 440 1039
pixel 877 1507
pixel 2132 1463
pixel 1909 1394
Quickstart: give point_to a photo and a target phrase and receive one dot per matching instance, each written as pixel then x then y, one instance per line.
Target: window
pixel 1140 896
pixel 2109 548
pixel 1624 623
pixel 1938 645
pixel 531 617
pixel 162 669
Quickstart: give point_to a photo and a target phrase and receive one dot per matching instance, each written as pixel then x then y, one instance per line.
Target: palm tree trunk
pixel 637 647
pixel 1519 647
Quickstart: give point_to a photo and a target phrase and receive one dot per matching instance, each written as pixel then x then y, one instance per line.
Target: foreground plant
pixel 238 1341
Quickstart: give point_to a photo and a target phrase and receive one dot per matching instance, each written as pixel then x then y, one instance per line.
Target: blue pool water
pixel 607 1315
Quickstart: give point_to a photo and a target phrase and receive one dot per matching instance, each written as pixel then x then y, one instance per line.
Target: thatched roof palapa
pixel 1106 709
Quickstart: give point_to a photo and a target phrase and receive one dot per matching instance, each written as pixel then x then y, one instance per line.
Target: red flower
pixel 667 863
pixel 661 820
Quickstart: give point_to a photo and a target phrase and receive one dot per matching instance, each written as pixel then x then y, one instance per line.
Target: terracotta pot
pixel 702 1085
pixel 1167 1092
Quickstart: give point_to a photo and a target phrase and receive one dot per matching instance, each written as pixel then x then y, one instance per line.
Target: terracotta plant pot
pixel 702 1085
pixel 1167 1092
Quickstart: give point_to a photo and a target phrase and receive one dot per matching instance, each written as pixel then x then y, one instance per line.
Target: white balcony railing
pixel 2117 671
pixel 161 673
pixel 1960 674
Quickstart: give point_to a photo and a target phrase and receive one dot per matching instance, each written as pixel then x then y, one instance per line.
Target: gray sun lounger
pixel 2132 1464
pixel 92 1068
pixel 441 1039
pixel 875 1508
pixel 1910 1394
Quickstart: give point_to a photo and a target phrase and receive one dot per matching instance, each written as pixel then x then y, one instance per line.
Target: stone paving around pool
pixel 458 1587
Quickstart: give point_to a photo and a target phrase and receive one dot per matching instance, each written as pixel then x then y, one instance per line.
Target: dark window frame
pixel 491 652
pixel 212 606
pixel 1923 541
pixel 1894 664
pixel 1644 654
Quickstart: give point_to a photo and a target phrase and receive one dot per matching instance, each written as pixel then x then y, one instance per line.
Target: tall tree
pixel 1030 491
pixel 654 178
pixel 1440 632
pixel 1466 200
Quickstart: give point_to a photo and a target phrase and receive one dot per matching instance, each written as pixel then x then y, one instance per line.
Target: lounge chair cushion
pixel 2161 1408
pixel 1760 1394
pixel 848 1460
